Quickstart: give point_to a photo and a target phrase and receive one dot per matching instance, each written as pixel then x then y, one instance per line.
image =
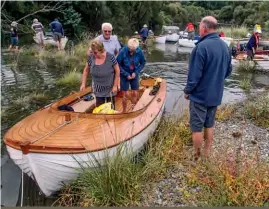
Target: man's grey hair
pixel 209 24
pixel 107 25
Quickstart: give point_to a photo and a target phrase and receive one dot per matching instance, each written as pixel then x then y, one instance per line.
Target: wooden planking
pixel 89 134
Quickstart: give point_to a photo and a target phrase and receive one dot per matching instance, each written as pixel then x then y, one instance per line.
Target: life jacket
pixel 257 39
pixel 190 27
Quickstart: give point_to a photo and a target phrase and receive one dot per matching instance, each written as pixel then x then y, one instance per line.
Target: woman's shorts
pixel 125 83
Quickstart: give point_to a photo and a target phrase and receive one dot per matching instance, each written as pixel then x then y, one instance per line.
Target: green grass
pixel 247 66
pixel 245 83
pixel 234 32
pixel 70 78
pixel 122 179
pixel 258 110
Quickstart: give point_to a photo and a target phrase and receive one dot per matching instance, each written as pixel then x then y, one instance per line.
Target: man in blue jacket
pixel 58 32
pixel 131 61
pixel 210 65
pixel 144 33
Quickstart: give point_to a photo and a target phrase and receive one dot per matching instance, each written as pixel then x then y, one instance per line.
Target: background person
pixel 144 33
pixel 14 36
pixel 210 64
pixel 105 73
pixel 252 44
pixel 131 61
pixel 38 28
pixel 58 32
pixel 190 30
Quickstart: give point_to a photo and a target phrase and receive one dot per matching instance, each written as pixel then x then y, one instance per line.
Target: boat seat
pixel 144 99
pixel 83 106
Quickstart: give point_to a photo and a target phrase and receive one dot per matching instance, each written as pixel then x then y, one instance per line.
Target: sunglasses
pixel 107 31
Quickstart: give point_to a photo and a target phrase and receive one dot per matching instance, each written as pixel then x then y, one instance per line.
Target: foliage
pixel 245 83
pixel 258 110
pixel 232 177
pixel 70 78
pixel 127 17
pixel 245 65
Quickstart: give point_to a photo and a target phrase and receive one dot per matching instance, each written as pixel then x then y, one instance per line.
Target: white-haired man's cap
pixel 35 20
pixel 145 26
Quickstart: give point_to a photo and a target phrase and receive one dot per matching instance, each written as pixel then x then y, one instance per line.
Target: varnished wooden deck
pixel 50 131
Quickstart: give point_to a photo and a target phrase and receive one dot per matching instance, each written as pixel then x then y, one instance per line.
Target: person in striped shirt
pixel 38 28
pixel 105 73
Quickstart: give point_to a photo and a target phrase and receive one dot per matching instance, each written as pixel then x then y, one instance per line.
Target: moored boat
pixel 51 144
pixel 49 40
pixel 187 43
pixel 160 39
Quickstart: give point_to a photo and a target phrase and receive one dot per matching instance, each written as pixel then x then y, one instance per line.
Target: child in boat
pixel 131 61
pixel 105 73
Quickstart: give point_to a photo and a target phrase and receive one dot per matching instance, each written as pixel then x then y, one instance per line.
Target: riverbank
pixel 235 174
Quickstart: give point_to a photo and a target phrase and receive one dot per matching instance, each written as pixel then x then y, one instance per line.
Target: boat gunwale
pixel 26 147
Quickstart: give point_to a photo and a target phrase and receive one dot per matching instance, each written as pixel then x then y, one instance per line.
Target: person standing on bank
pixel 58 32
pixel 14 36
pixel 105 74
pixel 144 33
pixel 131 61
pixel 210 64
pixel 38 28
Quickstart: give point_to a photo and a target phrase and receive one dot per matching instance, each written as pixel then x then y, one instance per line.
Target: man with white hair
pixel 144 33
pixel 14 36
pixel 131 61
pixel 38 28
pixel 111 42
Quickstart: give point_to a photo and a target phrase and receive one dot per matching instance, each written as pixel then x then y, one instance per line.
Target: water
pixel 167 61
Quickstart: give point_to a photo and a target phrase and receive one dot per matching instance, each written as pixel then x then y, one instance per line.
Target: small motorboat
pixel 53 143
pixel 187 43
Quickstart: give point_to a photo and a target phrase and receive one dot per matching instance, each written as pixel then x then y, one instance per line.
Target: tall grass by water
pixel 233 178
pixel 234 32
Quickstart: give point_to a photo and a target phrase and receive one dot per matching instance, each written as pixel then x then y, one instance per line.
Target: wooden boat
pixel 160 39
pixel 258 52
pixel 49 40
pixel 261 61
pixel 50 145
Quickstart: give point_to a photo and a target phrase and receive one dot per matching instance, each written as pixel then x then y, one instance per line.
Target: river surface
pixel 30 76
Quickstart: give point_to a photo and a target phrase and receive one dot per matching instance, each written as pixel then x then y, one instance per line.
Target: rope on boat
pixel 21 188
pixel 52 131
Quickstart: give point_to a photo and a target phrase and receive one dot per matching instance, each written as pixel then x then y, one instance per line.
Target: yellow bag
pixel 105 109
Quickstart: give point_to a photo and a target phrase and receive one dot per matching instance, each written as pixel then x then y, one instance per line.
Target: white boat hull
pixel 187 43
pixel 172 37
pixel 160 39
pixel 263 43
pixel 51 41
pixel 51 171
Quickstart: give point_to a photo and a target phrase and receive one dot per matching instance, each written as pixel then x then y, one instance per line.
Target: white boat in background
pixel 160 39
pixel 187 43
pixel 171 33
pixel 227 41
pixel 49 40
pixel 264 42
pixel 172 37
